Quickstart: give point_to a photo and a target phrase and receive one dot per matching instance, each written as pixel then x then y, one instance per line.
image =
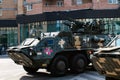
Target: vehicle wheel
pixel 78 64
pixel 59 66
pixel 30 69
pixel 110 78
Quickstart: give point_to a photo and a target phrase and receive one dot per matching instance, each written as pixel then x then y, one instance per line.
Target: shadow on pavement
pixel 36 76
pixel 48 76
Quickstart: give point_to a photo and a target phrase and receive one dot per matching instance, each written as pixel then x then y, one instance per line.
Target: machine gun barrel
pixel 77 23
pixel 74 25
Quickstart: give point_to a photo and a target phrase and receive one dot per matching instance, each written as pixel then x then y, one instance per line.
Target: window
pixel 5 36
pixel 0 12
pixel 50 41
pixel 113 1
pixel 15 1
pixel 47 4
pixel 29 7
pixel 60 3
pixel 24 2
pixel 78 2
pixel 0 1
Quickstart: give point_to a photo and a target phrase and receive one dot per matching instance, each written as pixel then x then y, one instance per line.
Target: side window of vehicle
pixel 50 42
pixel 46 43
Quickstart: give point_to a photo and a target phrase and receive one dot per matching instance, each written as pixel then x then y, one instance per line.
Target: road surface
pixel 11 71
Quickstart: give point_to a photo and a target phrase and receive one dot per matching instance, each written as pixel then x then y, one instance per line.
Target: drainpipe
pixel 18 33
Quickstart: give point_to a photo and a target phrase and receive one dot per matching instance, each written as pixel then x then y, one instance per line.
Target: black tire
pixel 59 66
pixel 110 78
pixel 30 70
pixel 78 64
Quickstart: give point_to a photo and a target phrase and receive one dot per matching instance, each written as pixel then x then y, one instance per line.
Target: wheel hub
pixel 80 63
pixel 61 65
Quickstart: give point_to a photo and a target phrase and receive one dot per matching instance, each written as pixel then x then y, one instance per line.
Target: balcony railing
pixel 51 8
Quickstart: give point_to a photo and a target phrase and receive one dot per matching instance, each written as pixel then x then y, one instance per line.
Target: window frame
pixel 60 3
pixel 29 7
pixel 113 1
pixel 79 2
pixel 1 1
pixel 15 1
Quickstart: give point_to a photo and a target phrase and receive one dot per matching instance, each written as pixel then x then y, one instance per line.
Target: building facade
pixel 48 15
pixel 41 6
pixel 27 18
pixel 8 25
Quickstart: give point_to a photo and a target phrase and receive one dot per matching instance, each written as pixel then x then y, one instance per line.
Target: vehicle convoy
pixel 107 60
pixel 69 48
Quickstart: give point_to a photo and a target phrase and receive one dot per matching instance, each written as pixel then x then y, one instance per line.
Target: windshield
pixel 30 42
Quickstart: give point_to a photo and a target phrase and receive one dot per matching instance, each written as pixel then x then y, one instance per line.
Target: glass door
pixel 3 43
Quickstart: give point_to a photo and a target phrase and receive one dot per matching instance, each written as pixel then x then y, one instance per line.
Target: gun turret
pixel 92 27
pixel 77 23
pixel 74 25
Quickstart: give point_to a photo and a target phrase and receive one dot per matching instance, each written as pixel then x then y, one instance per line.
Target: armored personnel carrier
pixel 59 51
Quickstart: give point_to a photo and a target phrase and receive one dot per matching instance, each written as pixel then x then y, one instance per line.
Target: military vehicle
pixel 107 60
pixel 68 49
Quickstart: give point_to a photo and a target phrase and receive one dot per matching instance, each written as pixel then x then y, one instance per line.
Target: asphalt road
pixel 11 71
